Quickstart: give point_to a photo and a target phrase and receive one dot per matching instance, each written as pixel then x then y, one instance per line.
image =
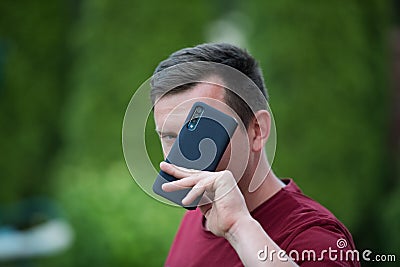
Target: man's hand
pixel 227 214
pixel 226 205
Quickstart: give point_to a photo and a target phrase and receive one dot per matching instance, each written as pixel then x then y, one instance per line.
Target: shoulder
pixel 292 219
pixel 291 206
pixel 323 245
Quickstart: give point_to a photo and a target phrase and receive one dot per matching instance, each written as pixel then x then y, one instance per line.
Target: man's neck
pixel 260 185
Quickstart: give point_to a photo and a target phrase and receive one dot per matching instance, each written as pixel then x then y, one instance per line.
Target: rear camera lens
pixel 194 120
pixel 192 124
pixel 198 110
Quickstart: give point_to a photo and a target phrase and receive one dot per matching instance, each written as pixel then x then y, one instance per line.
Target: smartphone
pixel 200 145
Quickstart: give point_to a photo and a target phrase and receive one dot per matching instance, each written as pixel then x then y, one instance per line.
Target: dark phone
pixel 200 145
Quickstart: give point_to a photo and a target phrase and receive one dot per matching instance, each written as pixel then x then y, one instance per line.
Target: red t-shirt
pixel 295 222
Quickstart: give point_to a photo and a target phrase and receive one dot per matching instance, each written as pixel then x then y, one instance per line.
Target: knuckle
pixel 199 185
pixel 226 173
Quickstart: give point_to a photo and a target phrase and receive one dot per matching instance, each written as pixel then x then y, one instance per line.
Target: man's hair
pixel 221 53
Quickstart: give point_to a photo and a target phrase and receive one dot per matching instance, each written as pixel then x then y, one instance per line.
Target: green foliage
pixel 32 37
pixel 71 68
pixel 117 45
pixel 115 222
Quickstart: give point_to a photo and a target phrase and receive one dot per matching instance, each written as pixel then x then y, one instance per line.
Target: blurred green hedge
pixel 32 87
pixel 70 69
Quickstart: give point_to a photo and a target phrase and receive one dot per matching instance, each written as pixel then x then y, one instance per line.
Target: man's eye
pixel 168 137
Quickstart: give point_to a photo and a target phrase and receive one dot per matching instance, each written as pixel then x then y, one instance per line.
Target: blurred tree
pixel 33 68
pixel 68 69
pixel 116 46
pixel 390 205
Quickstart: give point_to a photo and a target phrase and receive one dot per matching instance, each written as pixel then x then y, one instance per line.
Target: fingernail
pixel 184 201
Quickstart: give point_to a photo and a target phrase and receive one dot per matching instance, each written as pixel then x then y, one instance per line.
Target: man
pixel 254 216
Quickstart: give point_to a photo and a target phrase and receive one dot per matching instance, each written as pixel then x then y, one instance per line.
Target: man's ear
pixel 259 129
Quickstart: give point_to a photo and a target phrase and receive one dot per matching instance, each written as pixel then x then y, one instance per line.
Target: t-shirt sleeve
pixel 322 246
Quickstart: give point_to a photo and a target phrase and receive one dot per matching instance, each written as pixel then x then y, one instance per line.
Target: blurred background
pixel 68 69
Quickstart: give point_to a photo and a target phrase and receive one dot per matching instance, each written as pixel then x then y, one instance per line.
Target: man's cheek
pixel 166 148
pixel 226 157
pixel 236 156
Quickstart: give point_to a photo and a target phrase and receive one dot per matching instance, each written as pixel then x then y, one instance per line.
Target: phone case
pixel 200 148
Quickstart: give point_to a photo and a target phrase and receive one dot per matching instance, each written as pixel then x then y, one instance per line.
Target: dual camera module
pixel 195 118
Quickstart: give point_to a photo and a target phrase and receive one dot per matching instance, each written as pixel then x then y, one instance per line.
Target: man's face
pixel 171 111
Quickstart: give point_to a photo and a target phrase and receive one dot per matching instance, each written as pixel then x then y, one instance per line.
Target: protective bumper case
pixel 200 145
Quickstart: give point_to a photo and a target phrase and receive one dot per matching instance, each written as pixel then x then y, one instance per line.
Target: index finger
pixel 176 171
